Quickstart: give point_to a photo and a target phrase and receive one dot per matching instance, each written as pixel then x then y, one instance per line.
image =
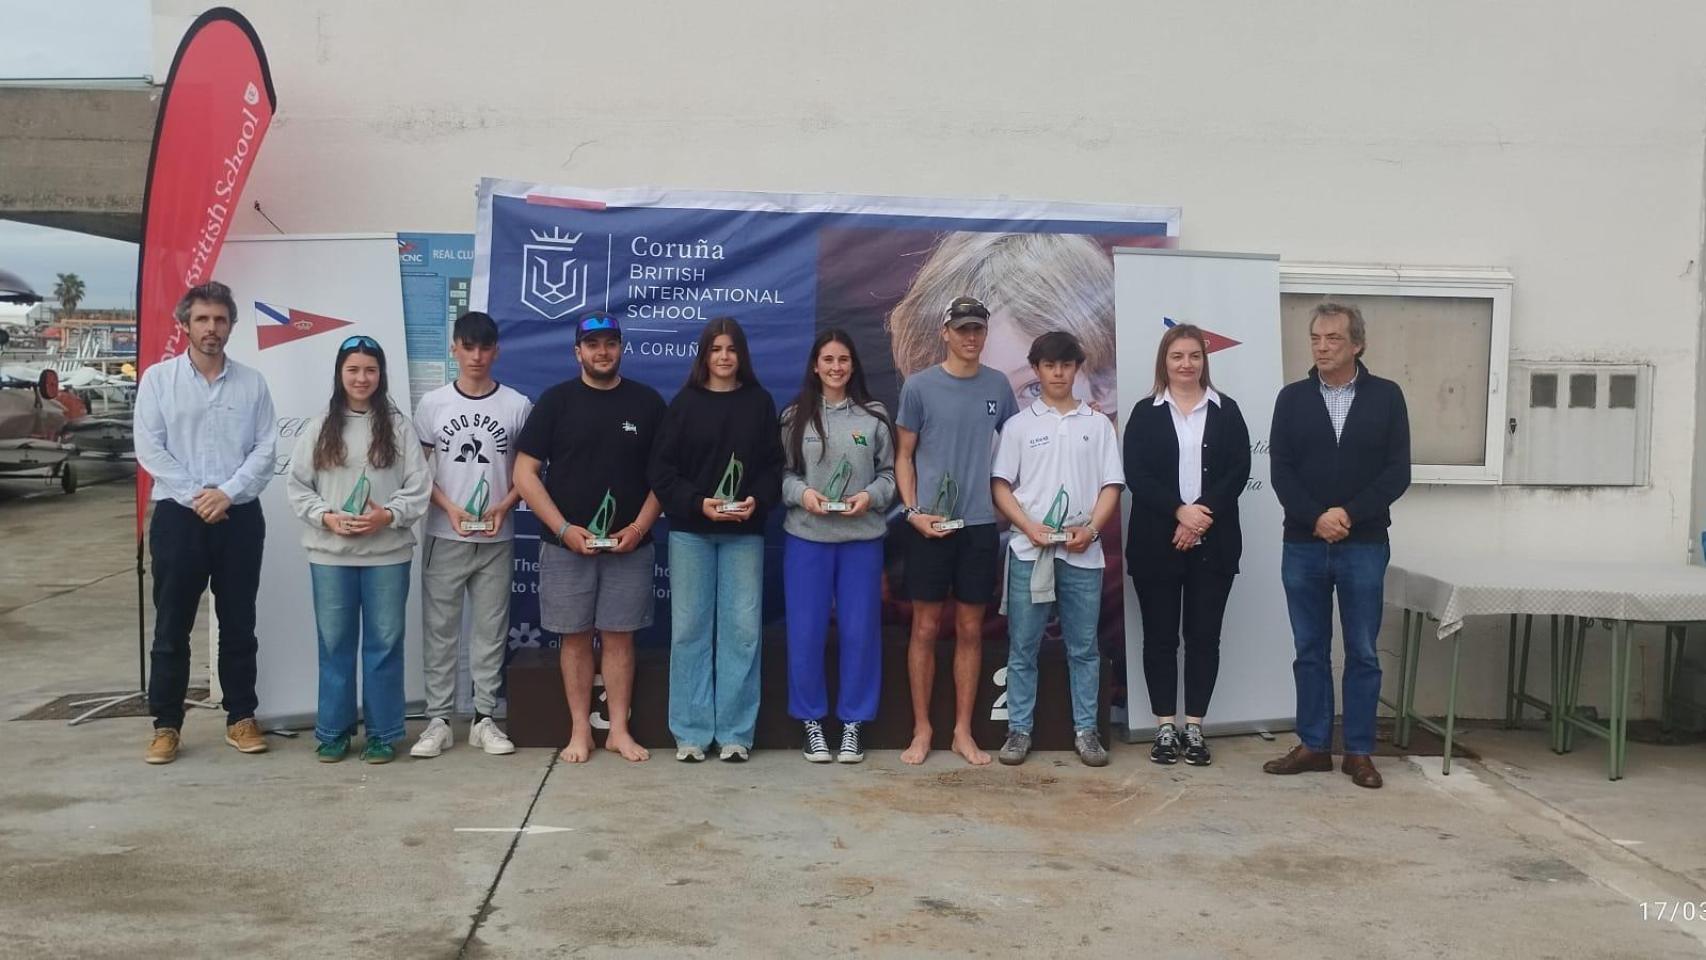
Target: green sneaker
pixel 378 752
pixel 334 751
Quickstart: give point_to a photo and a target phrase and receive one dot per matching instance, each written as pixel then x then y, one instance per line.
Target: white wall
pixel 1560 140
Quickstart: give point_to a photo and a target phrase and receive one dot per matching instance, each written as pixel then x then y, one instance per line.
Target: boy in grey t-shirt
pixel 949 418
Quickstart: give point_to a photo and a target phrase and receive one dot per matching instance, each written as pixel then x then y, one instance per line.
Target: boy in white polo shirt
pixel 1057 479
pixel 469 428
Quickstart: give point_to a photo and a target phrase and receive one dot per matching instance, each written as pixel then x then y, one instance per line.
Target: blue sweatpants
pixel 847 577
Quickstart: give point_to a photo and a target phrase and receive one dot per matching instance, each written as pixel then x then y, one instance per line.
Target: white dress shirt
pixel 1188 425
pixel 192 434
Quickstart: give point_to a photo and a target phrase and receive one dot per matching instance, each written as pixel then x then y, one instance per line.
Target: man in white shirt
pixel 469 428
pixel 205 431
pixel 1057 479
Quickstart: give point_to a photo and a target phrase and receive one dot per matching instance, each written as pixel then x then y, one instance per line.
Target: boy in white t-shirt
pixel 1057 479
pixel 469 428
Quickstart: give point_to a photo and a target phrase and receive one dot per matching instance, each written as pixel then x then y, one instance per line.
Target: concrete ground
pixel 1521 855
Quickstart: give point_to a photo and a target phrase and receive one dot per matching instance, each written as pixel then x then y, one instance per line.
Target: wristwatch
pixel 1095 535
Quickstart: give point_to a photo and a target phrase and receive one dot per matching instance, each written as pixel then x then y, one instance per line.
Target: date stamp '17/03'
pixel 1672 911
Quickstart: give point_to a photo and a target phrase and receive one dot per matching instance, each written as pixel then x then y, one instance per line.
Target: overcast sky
pixel 40 254
pixel 73 39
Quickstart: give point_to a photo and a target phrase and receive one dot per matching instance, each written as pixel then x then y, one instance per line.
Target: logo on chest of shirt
pixel 628 427
pixel 991 407
pixel 1039 441
pixel 473 438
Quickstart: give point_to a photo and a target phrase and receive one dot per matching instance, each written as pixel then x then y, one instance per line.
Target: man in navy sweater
pixel 1340 449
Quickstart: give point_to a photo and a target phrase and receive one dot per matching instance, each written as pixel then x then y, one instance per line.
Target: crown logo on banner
pixel 555 236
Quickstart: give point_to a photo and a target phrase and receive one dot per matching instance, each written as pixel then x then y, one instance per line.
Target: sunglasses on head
pixel 359 340
pixel 598 323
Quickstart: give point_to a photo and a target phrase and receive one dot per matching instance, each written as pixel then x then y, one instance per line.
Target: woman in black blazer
pixel 1183 545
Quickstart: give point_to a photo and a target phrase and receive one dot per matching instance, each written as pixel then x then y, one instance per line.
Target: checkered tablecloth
pixel 1452 588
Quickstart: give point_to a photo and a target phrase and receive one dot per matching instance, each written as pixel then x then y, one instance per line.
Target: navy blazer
pixel 1365 470
pixel 1152 476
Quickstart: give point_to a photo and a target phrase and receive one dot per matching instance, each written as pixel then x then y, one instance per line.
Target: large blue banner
pixel 786 265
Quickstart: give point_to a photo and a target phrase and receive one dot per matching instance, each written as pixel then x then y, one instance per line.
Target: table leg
pixel 1512 708
pixel 1451 700
pixel 1620 697
pixel 1412 663
pixel 1557 672
pixel 1673 658
pixel 1573 682
pixel 1398 692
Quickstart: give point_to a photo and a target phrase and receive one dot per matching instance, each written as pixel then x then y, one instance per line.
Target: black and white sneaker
pixel 851 751
pixel 1166 747
pixel 816 748
pixel 1196 748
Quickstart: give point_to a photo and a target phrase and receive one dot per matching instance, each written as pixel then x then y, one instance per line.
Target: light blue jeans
pixel 716 593
pixel 360 607
pixel 1078 600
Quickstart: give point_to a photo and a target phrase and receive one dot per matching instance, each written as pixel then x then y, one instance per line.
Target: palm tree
pixel 69 292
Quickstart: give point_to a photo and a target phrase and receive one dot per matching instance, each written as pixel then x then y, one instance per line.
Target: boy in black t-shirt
pixel 591 438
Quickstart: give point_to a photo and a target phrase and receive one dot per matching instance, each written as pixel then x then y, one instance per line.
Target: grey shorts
pixel 610 591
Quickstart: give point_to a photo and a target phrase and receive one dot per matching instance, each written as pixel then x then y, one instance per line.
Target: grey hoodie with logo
pixel 852 432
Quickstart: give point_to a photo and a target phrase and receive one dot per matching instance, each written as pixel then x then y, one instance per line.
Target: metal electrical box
pixel 1578 424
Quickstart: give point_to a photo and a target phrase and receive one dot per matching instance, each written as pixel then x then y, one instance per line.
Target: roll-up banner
pixel 1234 298
pixel 214 111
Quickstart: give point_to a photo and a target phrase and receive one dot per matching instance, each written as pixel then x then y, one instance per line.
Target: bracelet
pixel 562 530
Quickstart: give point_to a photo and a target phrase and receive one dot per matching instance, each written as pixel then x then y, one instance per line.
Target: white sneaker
pixel 688 753
pixel 487 736
pixel 435 739
pixel 734 753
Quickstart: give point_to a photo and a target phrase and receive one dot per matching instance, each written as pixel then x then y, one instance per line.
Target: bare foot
pixel 919 749
pixel 579 749
pixel 624 744
pixel 966 747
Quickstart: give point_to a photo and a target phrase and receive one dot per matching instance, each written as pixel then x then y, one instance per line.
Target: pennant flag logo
pixel 1213 341
pixel 291 325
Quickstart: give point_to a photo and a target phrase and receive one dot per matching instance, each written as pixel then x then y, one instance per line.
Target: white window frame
pixel 1493 284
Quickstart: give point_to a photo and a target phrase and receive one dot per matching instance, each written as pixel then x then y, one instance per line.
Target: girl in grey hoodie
pixel 358 481
pixel 837 482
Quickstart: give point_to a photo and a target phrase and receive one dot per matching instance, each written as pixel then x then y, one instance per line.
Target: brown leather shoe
pixel 246 736
pixel 1301 759
pixel 164 747
pixel 1360 768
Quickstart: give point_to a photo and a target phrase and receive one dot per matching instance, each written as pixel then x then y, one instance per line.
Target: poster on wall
pixel 436 269
pixel 787 265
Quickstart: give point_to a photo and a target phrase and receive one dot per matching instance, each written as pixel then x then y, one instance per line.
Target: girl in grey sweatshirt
pixel 358 481
pixel 837 483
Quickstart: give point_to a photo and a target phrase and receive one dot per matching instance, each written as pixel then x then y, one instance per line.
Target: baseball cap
pixel 597 323
pixel 964 311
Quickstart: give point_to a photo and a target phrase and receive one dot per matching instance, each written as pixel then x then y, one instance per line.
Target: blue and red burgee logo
pixel 1214 342
pixel 291 325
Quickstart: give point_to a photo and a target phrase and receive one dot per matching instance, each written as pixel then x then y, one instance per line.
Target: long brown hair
pixel 1184 331
pixel 811 398
pixel 382 442
pixel 700 373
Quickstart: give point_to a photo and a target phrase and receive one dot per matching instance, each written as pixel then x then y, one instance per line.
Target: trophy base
pixel 1059 536
pixel 947 526
pixel 729 506
pixel 476 526
pixel 836 506
pixel 601 543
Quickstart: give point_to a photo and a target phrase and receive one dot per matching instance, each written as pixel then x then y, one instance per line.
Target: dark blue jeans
pixel 189 556
pixel 1312 572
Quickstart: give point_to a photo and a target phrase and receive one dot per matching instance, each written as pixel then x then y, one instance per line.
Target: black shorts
pixel 967 562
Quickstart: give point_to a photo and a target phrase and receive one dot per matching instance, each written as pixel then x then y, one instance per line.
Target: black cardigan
pixel 701 429
pixel 1152 476
pixel 1364 470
